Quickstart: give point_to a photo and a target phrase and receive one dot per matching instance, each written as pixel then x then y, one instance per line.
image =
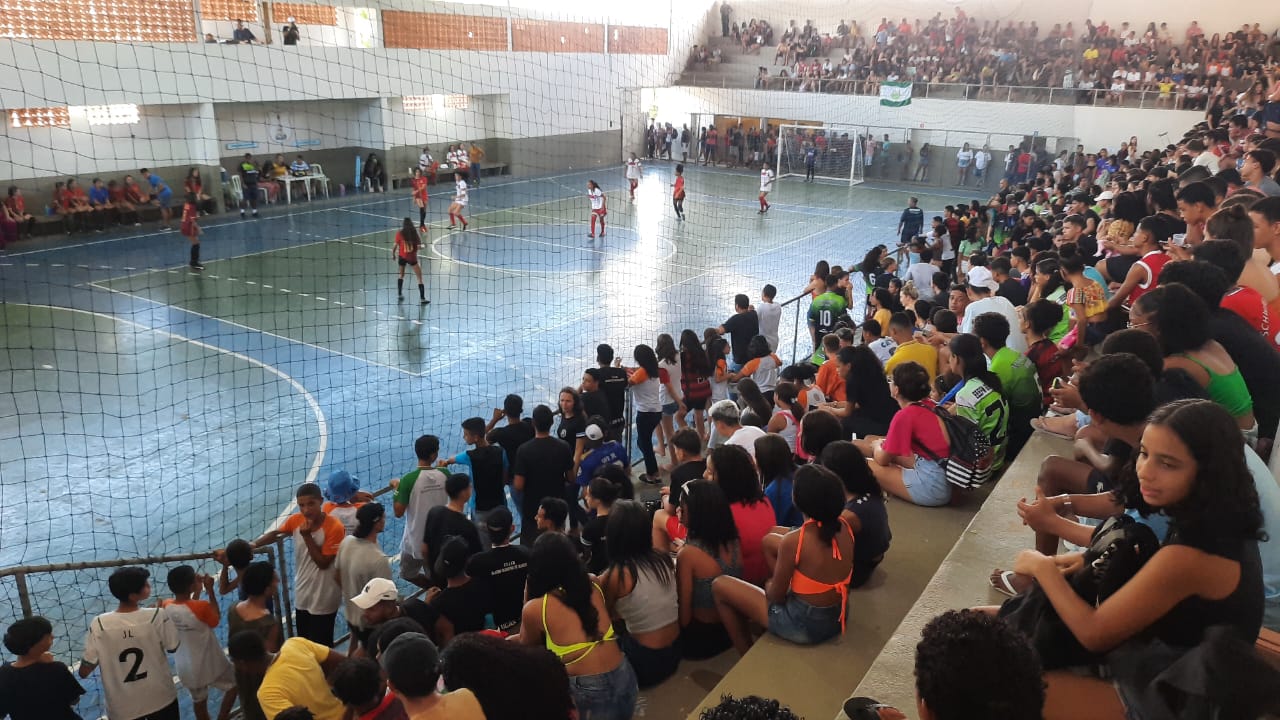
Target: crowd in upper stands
pixel 1180 68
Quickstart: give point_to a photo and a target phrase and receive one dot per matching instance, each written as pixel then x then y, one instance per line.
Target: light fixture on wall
pixel 118 114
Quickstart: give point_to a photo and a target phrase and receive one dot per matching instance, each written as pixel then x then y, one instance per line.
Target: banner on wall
pixel 279 132
pixel 895 94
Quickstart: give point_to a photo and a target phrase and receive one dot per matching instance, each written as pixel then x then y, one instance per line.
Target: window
pixel 39 117
pixel 99 20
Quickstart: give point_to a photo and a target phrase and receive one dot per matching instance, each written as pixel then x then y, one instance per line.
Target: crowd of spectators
pixel 1185 69
pixel 110 204
pixel 1122 300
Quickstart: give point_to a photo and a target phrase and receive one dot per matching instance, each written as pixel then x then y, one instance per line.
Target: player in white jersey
pixel 633 173
pixel 459 202
pixel 598 209
pixel 130 646
pixel 766 185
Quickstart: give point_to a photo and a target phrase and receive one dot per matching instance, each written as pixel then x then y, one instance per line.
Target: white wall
pixel 298 127
pixel 441 125
pixel 826 14
pixel 934 120
pixel 165 135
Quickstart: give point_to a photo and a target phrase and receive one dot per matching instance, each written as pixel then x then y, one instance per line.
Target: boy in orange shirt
pixel 316 536
pixel 200 660
pixel 829 380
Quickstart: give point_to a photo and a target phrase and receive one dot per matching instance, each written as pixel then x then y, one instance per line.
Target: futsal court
pixel 180 409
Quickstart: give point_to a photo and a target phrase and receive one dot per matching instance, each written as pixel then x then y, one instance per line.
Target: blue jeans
pixel 802 623
pixel 605 696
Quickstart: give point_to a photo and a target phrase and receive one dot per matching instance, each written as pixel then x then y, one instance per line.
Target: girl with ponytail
pixel 804 601
pixel 979 396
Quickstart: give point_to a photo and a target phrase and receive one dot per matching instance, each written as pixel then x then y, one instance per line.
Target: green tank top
pixel 1227 390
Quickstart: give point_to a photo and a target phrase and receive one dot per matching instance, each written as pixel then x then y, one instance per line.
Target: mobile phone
pixel 1057 383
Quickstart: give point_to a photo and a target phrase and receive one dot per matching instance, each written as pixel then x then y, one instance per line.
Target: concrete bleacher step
pixel 992 539
pixel 801 677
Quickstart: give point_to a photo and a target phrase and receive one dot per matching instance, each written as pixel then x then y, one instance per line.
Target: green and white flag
pixel 895 94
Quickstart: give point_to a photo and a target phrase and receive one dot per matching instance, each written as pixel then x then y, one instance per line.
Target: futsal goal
pixel 837 151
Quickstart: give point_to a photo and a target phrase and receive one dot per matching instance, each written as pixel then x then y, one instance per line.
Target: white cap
pixel 375 591
pixel 981 277
pixel 1106 195
pixel 593 432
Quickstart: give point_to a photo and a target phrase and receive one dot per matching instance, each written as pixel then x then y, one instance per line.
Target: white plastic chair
pixel 317 174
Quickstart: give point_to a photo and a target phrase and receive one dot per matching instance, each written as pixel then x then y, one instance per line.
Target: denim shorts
pixel 605 696
pixel 651 666
pixel 802 623
pixel 927 483
pixel 670 409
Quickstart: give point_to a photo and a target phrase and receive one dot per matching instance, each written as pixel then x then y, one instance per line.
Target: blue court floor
pixel 146 409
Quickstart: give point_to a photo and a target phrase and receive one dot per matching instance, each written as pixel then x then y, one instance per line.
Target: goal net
pixel 836 152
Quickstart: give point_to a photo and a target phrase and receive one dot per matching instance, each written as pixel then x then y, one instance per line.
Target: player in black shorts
pixel 407 244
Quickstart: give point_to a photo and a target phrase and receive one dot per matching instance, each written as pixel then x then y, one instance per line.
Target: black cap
pixel 499 520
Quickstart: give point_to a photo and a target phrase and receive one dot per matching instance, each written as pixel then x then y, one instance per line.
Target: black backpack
pixel 971 459
pixel 1118 550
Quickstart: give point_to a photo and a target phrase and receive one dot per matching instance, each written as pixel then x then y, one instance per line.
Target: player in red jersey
pixel 677 192
pixel 407 244
pixel 191 229
pixel 420 197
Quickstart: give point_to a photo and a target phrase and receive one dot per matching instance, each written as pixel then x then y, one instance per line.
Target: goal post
pixel 838 151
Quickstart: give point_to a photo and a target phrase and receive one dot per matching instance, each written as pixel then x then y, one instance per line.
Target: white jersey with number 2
pixel 597 198
pixel 633 169
pixel 460 192
pixel 130 649
pixel 766 180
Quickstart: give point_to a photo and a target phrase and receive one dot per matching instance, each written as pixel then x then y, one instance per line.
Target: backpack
pixel 971 461
pixel 1119 548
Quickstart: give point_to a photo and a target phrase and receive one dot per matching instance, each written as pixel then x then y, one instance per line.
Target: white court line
pixel 515 340
pixel 535 273
pixel 241 256
pixel 232 323
pixel 234 220
pixel 317 462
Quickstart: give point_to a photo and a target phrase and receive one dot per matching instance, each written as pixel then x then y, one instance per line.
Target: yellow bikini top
pixel 562 650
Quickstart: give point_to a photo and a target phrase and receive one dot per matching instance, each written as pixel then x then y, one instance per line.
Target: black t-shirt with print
pixel 501 573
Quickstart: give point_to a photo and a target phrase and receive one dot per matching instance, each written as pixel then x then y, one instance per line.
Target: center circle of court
pixel 551 248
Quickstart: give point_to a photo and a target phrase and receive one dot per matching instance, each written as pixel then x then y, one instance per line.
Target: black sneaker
pixel 197 266
pixel 425 302
pixel 649 480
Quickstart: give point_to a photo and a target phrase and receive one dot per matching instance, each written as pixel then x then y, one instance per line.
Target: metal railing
pixel 1098 97
pixel 275 554
pixel 795 335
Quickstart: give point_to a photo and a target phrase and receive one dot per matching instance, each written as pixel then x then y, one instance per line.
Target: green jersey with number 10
pixel 824 313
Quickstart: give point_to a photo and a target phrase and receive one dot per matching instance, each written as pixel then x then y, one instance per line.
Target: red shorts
pixel 601 212
pixel 189 229
pixel 420 198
